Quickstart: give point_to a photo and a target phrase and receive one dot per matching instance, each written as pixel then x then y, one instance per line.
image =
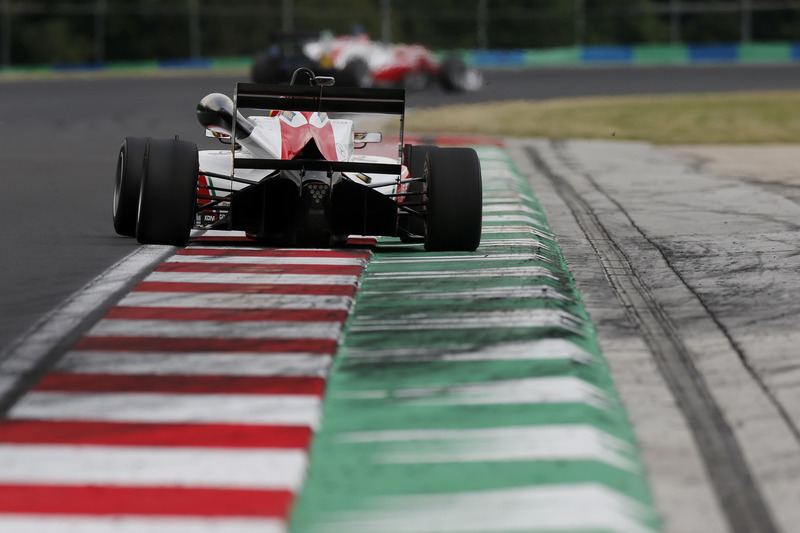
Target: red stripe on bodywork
pixel 251 268
pixel 148 501
pixel 202 189
pixel 55 382
pixel 296 135
pixel 247 288
pixel 144 434
pixel 192 344
pixel 227 314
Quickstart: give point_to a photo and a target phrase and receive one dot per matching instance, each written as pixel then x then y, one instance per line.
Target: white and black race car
pixel 317 164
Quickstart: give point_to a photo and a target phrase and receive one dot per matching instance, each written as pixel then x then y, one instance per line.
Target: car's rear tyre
pixel 454 200
pixel 355 74
pixel 168 193
pixel 130 165
pixel 267 68
pixel 416 169
pixel 453 74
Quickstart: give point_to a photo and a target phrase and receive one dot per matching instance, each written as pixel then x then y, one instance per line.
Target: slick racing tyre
pixel 355 74
pixel 416 168
pixel 267 68
pixel 453 74
pixel 454 200
pixel 168 193
pixel 130 166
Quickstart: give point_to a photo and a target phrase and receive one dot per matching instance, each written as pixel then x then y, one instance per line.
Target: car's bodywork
pixel 319 163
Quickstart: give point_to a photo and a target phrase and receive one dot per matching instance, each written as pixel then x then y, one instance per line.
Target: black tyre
pixel 454 200
pixel 416 169
pixel 168 194
pixel 453 74
pixel 130 165
pixel 267 68
pixel 355 74
pixel 417 80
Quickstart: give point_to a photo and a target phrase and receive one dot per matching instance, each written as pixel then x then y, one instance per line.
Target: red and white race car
pixel 318 164
pixel 357 61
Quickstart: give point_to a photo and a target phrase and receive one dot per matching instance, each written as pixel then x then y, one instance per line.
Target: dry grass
pixel 724 118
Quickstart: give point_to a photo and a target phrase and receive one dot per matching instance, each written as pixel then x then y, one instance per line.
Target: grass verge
pixel 717 118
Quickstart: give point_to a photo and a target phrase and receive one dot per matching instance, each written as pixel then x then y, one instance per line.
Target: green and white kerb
pixel 469 394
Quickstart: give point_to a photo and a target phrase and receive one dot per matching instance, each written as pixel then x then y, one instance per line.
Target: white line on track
pixel 20 523
pixel 497 207
pixel 512 291
pixel 267 260
pixel 548 390
pixel 133 466
pixel 64 324
pixel 210 329
pixel 292 410
pixel 524 219
pixel 568 507
pixel 544 349
pixel 521 243
pixel 522 318
pixel 516 228
pixel 188 364
pixel 261 279
pixel 519 443
pixel 481 272
pixel 475 257
pixel 222 300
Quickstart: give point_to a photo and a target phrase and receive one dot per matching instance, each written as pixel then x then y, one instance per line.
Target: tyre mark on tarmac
pixel 735 346
pixel 730 475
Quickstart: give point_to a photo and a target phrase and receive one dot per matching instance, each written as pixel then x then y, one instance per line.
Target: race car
pixel 357 61
pixel 317 164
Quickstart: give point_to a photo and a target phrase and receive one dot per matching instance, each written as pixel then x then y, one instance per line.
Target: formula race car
pixel 357 61
pixel 319 163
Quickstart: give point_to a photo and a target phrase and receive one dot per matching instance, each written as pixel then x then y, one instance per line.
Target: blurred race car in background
pixel 357 61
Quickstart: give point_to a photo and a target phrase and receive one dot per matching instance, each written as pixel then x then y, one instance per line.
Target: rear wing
pixel 322 100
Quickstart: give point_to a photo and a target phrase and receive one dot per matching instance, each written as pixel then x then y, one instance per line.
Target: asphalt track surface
pixel 60 138
pixel 684 286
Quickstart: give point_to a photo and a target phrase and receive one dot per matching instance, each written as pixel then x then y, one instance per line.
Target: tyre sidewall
pixel 168 193
pixel 130 167
pixel 454 200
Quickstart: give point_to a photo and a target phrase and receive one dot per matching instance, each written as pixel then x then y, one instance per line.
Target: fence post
pixel 6 7
pixel 99 31
pixel 675 21
pixel 386 21
pixel 194 28
pixel 287 16
pixel 483 15
pixel 580 22
pixel 747 21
